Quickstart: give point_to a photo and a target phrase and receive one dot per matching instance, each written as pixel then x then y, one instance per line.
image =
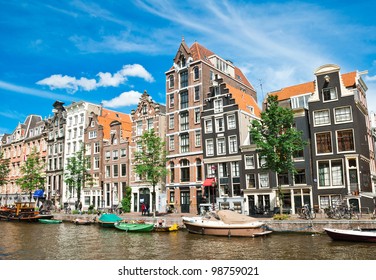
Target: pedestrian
pixel 80 206
pixel 147 210
pixel 143 209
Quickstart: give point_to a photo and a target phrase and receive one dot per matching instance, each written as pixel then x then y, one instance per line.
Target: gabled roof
pixel 199 52
pixel 244 101
pixel 349 80
pixel 108 116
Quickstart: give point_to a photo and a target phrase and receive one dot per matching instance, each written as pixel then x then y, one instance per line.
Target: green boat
pixel 130 227
pixel 108 220
pixel 50 221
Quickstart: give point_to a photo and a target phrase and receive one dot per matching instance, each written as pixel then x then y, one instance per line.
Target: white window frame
pixel 231 124
pixel 171 121
pixel 264 178
pixel 219 128
pixel 233 139
pixel 171 143
pixel 331 99
pixel 318 115
pixel 330 173
pixel 350 119
pixel 322 132
pixel 198 138
pixel 221 142
pixel 209 144
pixel 218 105
pixel 207 126
pixel 249 159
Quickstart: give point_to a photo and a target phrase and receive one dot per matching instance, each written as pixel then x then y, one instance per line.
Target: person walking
pixel 143 209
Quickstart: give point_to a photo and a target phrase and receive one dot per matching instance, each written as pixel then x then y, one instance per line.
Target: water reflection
pixel 70 242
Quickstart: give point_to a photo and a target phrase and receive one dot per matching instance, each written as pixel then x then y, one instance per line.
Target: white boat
pixel 225 223
pixel 351 235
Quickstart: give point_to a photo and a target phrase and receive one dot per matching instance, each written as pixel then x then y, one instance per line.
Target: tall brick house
pixel 190 76
pixel 148 115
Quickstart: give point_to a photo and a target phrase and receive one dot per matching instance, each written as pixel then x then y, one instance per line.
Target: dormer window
pixel 329 94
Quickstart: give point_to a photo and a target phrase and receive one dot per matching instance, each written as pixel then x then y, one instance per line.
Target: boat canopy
pixel 110 218
pixel 232 217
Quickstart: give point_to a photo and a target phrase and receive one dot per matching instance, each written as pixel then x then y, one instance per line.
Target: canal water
pixel 66 241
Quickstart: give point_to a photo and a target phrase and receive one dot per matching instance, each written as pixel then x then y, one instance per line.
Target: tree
pixel 4 169
pixel 277 139
pixel 150 161
pixel 33 173
pixel 126 201
pixel 76 173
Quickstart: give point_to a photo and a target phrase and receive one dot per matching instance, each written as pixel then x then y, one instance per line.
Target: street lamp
pixel 213 195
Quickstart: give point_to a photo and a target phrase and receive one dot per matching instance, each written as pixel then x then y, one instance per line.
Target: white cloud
pixel 125 99
pixel 72 84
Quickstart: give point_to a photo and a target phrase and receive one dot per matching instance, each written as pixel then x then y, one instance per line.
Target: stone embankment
pixel 293 224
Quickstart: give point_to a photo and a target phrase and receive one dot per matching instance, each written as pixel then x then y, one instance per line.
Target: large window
pixel 323 143
pixel 209 147
pixel 330 173
pixel 171 100
pixel 115 170
pixel 329 94
pixel 184 120
pixel 231 124
pixel 300 101
pixel 299 177
pixel 172 172
pixel 171 143
pixel 184 100
pixel 197 115
pixel 223 172
pixel 171 81
pixel 218 105
pixel 196 73
pixel 249 161
pixel 139 128
pixel 198 170
pixel 197 93
pixel 171 121
pixel 343 114
pixel 197 138
pixel 219 125
pixel 321 117
pixel 221 146
pixel 92 134
pixel 184 79
pixel 233 143
pixel 345 140
pixel 208 126
pixel 184 170
pixel 235 169
pixel 123 169
pixel 184 143
pixel 250 180
pixel 264 180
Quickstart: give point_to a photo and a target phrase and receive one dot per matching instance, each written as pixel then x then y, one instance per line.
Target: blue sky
pixel 111 51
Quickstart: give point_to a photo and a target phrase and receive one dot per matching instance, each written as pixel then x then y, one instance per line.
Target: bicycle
pixel 306 213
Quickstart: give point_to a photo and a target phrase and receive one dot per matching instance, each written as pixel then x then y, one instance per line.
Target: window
pixel 184 100
pixel 108 171
pixel 323 143
pixel 144 109
pixel 150 124
pixel 171 143
pixel 223 172
pixel 198 170
pixel 299 177
pixel 96 162
pixel 233 143
pixel 197 93
pixel 300 101
pixel 250 180
pixel 139 128
pixel 209 147
pixel 184 170
pixel 329 94
pixel 115 154
pixel 171 81
pixel 330 173
pixel 264 180
pixel 197 115
pixel 208 126
pixel 343 114
pixel 345 140
pixel 172 172
pixel 96 148
pixel 184 79
pixel 321 117
pixel 221 146
pixel 116 170
pixel 171 122
pixel 197 138
pixel 172 100
pixel 283 179
pixel 92 134
pixel 261 161
pixel 123 153
pixel 184 120
pixel 196 73
pixel 184 143
pixel 218 105
pixel 219 125
pixel 231 124
pixel 249 161
pixel 108 154
pixel 235 169
pixel 81 118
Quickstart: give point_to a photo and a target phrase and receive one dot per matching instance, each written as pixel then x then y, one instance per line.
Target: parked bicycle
pixel 306 213
pixel 342 212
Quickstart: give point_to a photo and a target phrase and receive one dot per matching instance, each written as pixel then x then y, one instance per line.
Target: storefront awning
pixel 38 193
pixel 208 182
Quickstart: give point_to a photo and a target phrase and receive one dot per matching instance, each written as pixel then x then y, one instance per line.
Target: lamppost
pixel 213 194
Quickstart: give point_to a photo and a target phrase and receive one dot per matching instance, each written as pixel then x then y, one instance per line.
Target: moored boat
pixel 225 223
pixel 351 235
pixel 80 221
pixel 162 228
pixel 50 221
pixel 134 227
pixel 108 220
pixel 22 212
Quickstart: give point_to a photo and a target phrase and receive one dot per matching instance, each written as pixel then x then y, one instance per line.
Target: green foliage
pixel 276 138
pixel 4 169
pixel 76 174
pixel 32 173
pixel 150 162
pixel 126 201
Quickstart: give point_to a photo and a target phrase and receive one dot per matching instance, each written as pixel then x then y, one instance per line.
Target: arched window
pixel 196 73
pixel 184 170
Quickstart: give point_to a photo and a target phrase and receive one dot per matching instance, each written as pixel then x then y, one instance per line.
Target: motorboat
pixel 225 223
pixel 351 235
pixel 108 219
pixel 22 212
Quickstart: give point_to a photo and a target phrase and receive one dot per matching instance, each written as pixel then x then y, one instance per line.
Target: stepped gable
pixel 349 79
pixel 108 116
pixel 244 101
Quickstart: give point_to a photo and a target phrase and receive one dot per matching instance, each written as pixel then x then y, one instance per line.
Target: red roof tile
pixel 108 116
pixel 244 101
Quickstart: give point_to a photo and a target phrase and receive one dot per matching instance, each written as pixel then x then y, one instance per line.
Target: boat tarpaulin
pixel 109 218
pixel 208 182
pixel 38 193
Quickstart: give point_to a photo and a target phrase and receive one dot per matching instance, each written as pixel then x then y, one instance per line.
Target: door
pixel 184 201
